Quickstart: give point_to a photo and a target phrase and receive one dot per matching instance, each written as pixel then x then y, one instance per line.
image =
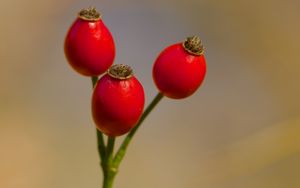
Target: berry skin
pixel 89 46
pixel 118 101
pixel 180 69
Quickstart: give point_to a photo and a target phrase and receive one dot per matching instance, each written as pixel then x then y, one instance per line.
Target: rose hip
pixel 117 101
pixel 180 68
pixel 89 46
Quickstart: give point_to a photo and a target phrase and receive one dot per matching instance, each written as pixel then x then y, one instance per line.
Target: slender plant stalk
pixel 109 171
pixel 100 145
pixel 94 80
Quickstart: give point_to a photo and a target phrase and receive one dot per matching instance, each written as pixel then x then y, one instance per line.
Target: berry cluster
pixel 118 97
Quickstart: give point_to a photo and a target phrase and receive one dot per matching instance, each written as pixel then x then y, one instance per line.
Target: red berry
pixel 89 46
pixel 180 68
pixel 118 101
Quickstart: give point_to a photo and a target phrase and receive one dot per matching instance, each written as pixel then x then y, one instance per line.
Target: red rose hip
pixel 118 101
pixel 89 46
pixel 180 68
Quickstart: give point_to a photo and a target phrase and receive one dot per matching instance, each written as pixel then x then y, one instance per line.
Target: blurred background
pixel 240 129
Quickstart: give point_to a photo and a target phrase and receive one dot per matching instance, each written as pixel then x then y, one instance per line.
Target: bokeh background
pixel 241 129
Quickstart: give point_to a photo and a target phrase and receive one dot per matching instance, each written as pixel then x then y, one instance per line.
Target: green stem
pixel 100 139
pixel 94 80
pixel 108 180
pixel 122 150
pixel 110 150
pixel 100 144
pixel 109 170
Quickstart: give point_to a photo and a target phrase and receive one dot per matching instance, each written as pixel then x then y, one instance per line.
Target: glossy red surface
pixel 177 73
pixel 117 104
pixel 89 47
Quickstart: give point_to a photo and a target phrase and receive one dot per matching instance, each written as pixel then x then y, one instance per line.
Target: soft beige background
pixel 241 129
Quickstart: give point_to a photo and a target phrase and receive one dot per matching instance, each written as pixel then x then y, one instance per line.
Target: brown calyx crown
pixel 120 71
pixel 193 45
pixel 89 14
